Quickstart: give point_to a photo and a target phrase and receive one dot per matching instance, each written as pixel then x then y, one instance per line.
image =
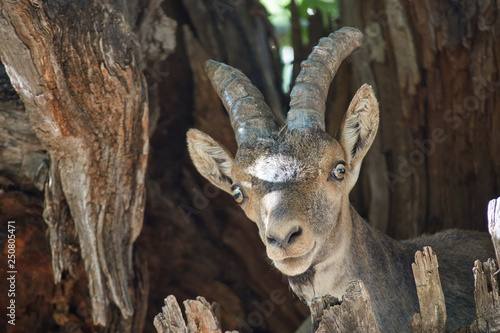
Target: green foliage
pixel 280 17
pixel 279 11
pixel 329 8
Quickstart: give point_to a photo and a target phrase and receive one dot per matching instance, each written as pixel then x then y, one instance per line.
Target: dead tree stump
pixel 487 289
pixel 170 319
pixel 201 317
pixel 328 314
pixel 354 314
pixel 494 224
pixel 487 297
pixel 432 316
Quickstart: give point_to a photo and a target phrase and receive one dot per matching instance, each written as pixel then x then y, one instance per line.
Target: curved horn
pixel 308 96
pixel 250 116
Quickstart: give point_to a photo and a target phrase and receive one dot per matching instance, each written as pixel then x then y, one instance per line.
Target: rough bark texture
pixel 85 97
pixel 23 160
pixel 432 316
pixel 354 314
pixel 487 296
pixel 201 317
pixel 328 314
pixel 170 320
pixel 434 66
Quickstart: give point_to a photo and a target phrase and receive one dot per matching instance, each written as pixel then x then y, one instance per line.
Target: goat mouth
pixel 295 265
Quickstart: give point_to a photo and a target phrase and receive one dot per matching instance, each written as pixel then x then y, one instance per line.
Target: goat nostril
pixel 272 240
pixel 286 241
pixel 294 235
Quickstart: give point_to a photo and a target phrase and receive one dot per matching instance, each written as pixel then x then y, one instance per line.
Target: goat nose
pixel 283 239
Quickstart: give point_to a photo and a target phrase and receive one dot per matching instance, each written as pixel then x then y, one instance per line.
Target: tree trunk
pixel 85 97
pixel 434 66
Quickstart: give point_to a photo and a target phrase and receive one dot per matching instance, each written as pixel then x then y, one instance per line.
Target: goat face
pixel 293 190
pixel 292 181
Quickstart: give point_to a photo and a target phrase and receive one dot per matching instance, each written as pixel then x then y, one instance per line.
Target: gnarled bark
pixel 85 97
pixel 354 314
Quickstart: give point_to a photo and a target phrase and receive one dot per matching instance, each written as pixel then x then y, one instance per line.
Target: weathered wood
pixel 494 224
pixel 486 277
pixel 201 317
pixel 434 66
pixel 85 97
pixel 354 314
pixel 318 307
pixel 170 320
pixel 62 234
pixel 432 316
pixel 487 297
pixel 486 294
pixel 328 315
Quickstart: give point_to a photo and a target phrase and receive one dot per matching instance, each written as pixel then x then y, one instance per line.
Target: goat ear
pixel 211 159
pixel 359 126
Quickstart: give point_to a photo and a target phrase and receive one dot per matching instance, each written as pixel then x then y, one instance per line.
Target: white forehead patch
pixel 276 168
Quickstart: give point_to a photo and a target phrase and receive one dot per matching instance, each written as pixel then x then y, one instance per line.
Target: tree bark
pixel 487 297
pixel 85 97
pixel 353 314
pixel 434 66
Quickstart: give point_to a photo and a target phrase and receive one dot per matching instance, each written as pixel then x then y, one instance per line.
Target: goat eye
pixel 237 194
pixel 339 171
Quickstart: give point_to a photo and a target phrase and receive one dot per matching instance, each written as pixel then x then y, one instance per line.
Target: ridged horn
pixel 250 116
pixel 308 96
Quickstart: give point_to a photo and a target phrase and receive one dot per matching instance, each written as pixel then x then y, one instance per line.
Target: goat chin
pixel 293 266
